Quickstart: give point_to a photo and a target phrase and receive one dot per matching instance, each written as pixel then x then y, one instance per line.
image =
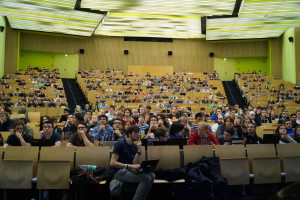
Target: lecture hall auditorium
pixel 179 100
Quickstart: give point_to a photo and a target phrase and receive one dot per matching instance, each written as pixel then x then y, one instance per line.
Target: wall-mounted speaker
pixel 291 39
pixel 170 53
pixel 126 52
pixel 1 28
pixel 211 54
pixel 81 51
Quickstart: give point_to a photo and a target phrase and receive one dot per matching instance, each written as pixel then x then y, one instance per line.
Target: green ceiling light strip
pixel 137 33
pixel 263 24
pixel 256 29
pixel 158 16
pixel 54 3
pixel 53 22
pixel 267 12
pixel 46 15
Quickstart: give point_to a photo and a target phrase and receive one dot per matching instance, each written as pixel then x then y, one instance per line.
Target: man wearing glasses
pixel 81 137
pixel 118 131
pixel 48 134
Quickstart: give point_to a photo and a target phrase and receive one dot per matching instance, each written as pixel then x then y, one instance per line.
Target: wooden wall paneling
pixel 276 56
pixel 297 49
pixel 11 50
pixel 103 52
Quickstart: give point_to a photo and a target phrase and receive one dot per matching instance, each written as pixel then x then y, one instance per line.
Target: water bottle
pixel 87 167
pixel 92 167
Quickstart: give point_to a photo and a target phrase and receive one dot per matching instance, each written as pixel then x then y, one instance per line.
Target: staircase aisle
pixel 233 94
pixel 74 94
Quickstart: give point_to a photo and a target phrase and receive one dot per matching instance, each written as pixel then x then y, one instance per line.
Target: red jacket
pixel 196 140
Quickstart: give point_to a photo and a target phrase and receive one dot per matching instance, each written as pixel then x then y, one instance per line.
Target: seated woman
pixel 228 123
pixel 284 138
pixel 18 136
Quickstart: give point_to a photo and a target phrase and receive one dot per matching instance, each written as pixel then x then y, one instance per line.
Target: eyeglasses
pixel 47 126
pixel 118 123
pixel 80 128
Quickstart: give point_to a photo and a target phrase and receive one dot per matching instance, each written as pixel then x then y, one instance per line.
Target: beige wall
pixel 103 52
pixel 11 50
pixel 297 48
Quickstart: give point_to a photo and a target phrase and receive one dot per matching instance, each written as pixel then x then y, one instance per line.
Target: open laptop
pixel 239 140
pixel 40 142
pixel 178 141
pixel 151 142
pixel 146 166
pixel 271 139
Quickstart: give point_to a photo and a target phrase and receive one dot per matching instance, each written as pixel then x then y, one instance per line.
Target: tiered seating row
pixel 94 96
pixel 265 162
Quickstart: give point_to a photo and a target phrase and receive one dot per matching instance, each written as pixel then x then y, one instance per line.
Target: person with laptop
pixel 18 136
pixel 125 159
pixel 81 138
pixel 48 134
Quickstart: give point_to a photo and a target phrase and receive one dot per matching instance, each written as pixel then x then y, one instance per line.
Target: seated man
pixel 252 137
pixel 49 134
pixel 81 137
pixel 118 133
pixel 5 122
pixel 202 136
pixel 289 127
pixel 28 130
pixel 125 159
pixel 102 129
pixel 18 136
pixel 227 137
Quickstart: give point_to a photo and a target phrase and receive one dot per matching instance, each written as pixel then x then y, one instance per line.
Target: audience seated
pixel 81 137
pixel 18 137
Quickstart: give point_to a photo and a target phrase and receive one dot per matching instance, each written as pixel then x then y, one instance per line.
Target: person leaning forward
pixel 125 159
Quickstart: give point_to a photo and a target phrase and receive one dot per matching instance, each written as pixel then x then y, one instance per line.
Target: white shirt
pixel 214 127
pixel 110 116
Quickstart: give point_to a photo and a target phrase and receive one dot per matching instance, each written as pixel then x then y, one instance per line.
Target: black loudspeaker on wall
pixel 211 54
pixel 126 52
pixel 170 53
pixel 291 39
pixel 81 51
pixel 1 28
